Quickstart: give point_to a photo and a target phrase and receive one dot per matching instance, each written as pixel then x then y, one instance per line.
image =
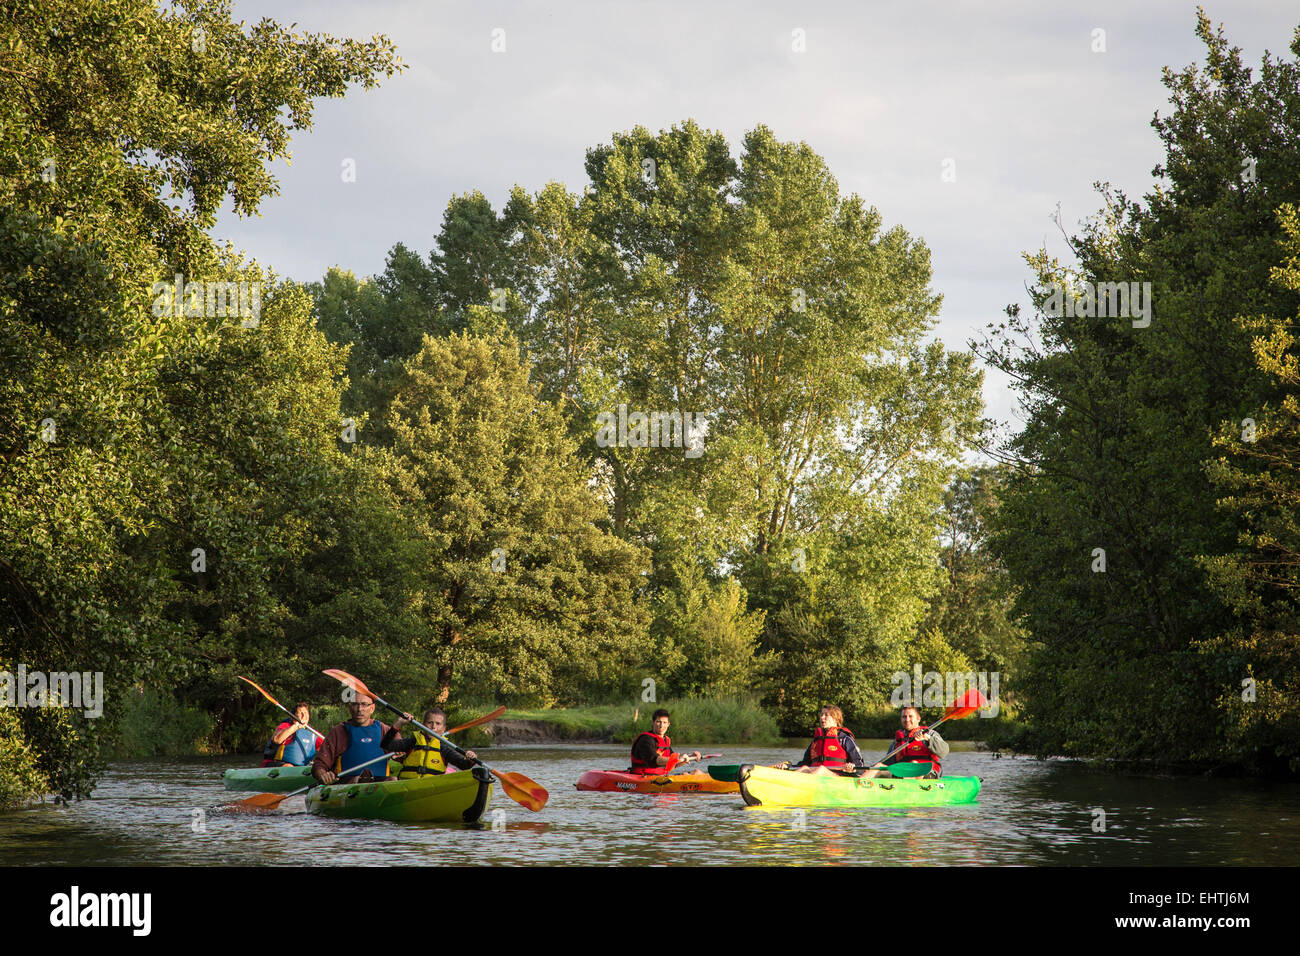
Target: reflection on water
pixel 170 812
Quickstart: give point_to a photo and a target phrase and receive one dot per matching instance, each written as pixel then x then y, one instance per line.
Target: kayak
pixel 767 786
pixel 437 798
pixel 268 779
pixel 275 779
pixel 615 781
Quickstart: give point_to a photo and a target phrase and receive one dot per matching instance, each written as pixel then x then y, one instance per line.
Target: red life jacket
pixel 917 751
pixel 663 748
pixel 826 750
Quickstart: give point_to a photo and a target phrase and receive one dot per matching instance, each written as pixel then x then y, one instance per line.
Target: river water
pixel 1030 812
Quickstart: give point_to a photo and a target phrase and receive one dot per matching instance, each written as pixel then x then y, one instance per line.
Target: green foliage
pixel 21 778
pixel 154 725
pixel 972 609
pixel 130 435
pixel 1119 421
pixel 1259 657
pixel 518 590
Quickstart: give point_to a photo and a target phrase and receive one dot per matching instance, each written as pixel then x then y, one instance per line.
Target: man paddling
pixel 833 747
pixel 923 745
pixel 652 750
pixel 427 756
pixel 292 743
pixel 358 740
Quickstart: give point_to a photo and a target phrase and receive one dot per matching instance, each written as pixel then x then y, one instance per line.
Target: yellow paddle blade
pixel 522 791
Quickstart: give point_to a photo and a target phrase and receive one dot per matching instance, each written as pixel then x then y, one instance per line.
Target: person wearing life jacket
pixel 353 742
pixel 919 745
pixel 653 749
pixel 833 747
pixel 428 756
pixel 292 743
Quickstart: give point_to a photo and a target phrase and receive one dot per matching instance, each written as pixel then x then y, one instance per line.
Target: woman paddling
pixel 833 747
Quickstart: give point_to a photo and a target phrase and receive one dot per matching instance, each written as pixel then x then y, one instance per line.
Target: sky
pixel 1023 105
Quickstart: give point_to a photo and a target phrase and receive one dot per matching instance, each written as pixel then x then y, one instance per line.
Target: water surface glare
pixel 1029 812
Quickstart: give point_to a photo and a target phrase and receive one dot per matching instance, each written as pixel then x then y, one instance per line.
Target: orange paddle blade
pixel 260 802
pixel 966 705
pixel 480 720
pixel 358 686
pixel 260 690
pixel 522 791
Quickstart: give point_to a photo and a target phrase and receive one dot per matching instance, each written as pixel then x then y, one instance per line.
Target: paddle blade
pixel 259 802
pixel 260 690
pixel 522 791
pixel 727 772
pixel 966 705
pixel 481 720
pixel 910 769
pixel 355 683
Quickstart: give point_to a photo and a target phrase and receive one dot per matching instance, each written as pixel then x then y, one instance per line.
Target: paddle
pixel 482 720
pixel 269 801
pixel 281 706
pixel 517 787
pixel 963 706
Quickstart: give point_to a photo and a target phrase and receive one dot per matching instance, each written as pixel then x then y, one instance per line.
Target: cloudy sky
pixel 885 90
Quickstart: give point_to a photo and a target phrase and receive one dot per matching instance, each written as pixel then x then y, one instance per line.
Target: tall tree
pixel 1105 519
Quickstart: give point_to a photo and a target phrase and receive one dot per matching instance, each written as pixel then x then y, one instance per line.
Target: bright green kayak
pixel 769 787
pixel 441 798
pixel 277 779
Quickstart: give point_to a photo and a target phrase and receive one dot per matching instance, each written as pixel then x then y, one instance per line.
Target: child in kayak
pixel 427 756
pixel 833 748
pixel 292 743
pixel 653 749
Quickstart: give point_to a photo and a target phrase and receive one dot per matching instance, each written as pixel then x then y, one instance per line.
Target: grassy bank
pixel 714 721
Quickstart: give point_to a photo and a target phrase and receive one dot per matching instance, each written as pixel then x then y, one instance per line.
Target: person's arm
pixel 938 746
pixel 394 742
pixel 806 759
pixel 851 751
pixel 644 750
pixel 285 730
pixel 458 761
pixel 334 744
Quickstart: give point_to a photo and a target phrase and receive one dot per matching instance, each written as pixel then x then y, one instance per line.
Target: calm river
pixel 169 812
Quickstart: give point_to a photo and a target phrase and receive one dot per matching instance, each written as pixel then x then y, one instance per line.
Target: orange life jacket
pixel 917 751
pixel 827 751
pixel 663 748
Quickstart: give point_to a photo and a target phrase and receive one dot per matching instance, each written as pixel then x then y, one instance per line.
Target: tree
pixel 519 590
pixel 123 128
pixel 1257 473
pixel 1104 523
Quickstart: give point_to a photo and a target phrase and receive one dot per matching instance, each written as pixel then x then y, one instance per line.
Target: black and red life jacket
pixel 663 748
pixel 917 751
pixel 826 749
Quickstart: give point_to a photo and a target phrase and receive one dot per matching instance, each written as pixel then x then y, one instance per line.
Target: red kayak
pixel 613 781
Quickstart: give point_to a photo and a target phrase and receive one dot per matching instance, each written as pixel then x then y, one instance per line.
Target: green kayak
pixel 277 779
pixel 769 787
pixel 439 798
pixel 268 779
